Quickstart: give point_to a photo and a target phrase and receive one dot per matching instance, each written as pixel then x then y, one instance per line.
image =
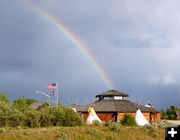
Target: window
pixel 106 98
pixel 118 97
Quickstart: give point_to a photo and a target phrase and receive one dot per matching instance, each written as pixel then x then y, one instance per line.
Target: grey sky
pixel 137 44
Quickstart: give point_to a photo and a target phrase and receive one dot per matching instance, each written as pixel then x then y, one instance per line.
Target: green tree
pixel 30 101
pixel 163 114
pixel 9 116
pixel 31 118
pixel 72 118
pixel 171 113
pixel 20 104
pixel 52 116
pixel 128 120
pixel 4 97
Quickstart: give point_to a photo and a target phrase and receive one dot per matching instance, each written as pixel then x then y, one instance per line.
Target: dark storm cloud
pixel 136 43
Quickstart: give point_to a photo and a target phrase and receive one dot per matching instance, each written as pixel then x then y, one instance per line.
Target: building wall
pixel 178 116
pixel 112 116
pixel 102 116
pixel 146 115
pixel 156 117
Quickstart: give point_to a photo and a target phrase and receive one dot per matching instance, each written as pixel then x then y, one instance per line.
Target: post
pixel 49 99
pixel 57 92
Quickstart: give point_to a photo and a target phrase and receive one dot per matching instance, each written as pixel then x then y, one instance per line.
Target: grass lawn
pixel 83 133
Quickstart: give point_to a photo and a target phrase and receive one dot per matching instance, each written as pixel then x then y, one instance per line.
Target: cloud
pixel 164 79
pixel 136 43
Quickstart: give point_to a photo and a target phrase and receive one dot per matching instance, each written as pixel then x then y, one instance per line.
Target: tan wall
pixel 146 115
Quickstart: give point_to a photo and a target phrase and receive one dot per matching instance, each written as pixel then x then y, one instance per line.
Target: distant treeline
pixel 19 113
pixel 170 113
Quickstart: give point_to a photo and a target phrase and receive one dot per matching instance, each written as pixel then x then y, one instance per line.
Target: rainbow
pixel 69 35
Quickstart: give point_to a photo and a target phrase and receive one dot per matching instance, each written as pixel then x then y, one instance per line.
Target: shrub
pixel 20 104
pixel 2 130
pixel 92 131
pixel 26 133
pixel 108 123
pixel 4 98
pixel 128 120
pixel 153 133
pixel 31 118
pixel 18 127
pixel 114 126
pixel 52 116
pixel 29 101
pixel 97 123
pixel 62 136
pixel 161 125
pixel 71 118
pixel 80 138
pixel 110 137
pixel 148 126
pixel 9 116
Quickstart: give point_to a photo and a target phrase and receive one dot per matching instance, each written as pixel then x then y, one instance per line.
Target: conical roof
pixel 112 93
pixel 92 116
pixel 140 119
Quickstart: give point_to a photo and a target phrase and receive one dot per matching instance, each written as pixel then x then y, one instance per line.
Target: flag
pixel 51 86
pixel 52 93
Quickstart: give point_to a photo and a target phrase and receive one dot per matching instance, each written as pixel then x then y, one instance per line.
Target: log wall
pixel 156 117
pixel 102 116
pixel 146 115
pixel 112 116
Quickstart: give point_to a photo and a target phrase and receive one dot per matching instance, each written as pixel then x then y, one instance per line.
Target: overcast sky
pixel 135 42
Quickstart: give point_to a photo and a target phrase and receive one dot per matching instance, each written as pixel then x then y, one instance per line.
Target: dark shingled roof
pixel 36 105
pixel 115 106
pixel 112 93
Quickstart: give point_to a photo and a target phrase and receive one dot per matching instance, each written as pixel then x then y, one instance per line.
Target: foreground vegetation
pixel 21 114
pixel 84 133
pixel 170 113
pixel 19 121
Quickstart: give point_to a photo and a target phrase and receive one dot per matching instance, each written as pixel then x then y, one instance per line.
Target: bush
pixel 153 133
pixel 128 120
pixel 4 98
pixel 97 123
pixel 62 136
pixel 9 116
pixel 31 118
pixel 30 101
pixel 2 130
pixel 148 126
pixel 161 125
pixel 18 127
pixel 26 133
pixel 114 126
pixel 71 118
pixel 110 137
pixel 52 116
pixel 108 123
pixel 92 132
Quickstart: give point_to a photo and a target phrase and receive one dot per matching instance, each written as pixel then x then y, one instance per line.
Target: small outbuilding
pixel 37 105
pixel 112 105
pixel 178 114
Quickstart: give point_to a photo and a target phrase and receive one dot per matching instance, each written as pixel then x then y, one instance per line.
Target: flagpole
pixel 49 99
pixel 57 92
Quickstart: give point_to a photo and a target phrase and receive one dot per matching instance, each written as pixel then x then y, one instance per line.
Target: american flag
pixel 51 86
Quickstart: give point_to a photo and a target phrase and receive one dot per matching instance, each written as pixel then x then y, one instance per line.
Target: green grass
pixel 83 133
